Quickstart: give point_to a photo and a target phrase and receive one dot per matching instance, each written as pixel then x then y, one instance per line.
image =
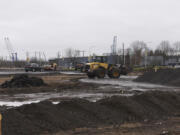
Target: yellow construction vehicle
pixel 50 67
pixel 99 67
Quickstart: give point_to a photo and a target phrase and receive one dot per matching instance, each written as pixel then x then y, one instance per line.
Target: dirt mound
pixel 162 76
pixel 23 81
pixel 34 119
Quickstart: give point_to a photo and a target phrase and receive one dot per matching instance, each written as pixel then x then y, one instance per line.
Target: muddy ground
pixel 58 82
pixel 171 126
pixel 46 117
pixel 73 104
pixel 65 87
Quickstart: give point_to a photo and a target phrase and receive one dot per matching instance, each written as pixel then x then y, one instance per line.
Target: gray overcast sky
pixel 53 25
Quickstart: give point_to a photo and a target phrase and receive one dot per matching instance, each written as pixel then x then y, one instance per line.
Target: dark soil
pixel 19 81
pixel 162 76
pixel 73 85
pixel 35 119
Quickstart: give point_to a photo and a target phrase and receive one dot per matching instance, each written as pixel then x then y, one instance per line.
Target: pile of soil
pixel 19 81
pixel 35 119
pixel 162 76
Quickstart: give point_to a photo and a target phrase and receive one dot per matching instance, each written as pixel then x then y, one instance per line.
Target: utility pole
pixel 27 57
pixel 146 53
pixel 58 55
pixel 123 55
pixel 35 55
pixel 114 46
pixel 83 53
pixel 40 58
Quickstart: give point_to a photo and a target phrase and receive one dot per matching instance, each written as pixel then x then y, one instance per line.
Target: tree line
pixel 140 49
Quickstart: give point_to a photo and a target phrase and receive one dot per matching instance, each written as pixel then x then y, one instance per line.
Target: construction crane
pixel 12 53
pixel 114 46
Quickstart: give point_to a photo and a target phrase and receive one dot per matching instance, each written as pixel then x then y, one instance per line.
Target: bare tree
pixel 165 48
pixel 158 53
pixel 176 48
pixel 150 53
pixel 138 48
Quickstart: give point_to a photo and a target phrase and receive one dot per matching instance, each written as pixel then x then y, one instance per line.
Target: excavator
pixel 99 67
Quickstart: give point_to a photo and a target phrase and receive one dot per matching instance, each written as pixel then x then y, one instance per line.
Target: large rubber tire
pixel 114 73
pixel 100 73
pixel 91 75
pixel 124 72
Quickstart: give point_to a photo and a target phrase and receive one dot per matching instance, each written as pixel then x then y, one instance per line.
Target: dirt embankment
pixel 23 80
pixel 162 76
pixel 35 119
pixel 54 83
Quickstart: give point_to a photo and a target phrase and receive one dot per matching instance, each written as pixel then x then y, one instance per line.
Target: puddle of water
pixel 55 103
pixel 35 98
pixel 72 73
pixel 114 88
pixel 16 103
pixel 20 72
pixel 128 77
pixel 126 83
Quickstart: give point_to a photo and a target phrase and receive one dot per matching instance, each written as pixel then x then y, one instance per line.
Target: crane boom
pixel 12 53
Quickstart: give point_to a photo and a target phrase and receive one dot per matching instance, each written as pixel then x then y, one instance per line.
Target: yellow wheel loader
pixel 100 68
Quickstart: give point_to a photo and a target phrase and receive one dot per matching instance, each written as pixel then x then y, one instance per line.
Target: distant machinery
pixel 12 54
pixel 114 46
